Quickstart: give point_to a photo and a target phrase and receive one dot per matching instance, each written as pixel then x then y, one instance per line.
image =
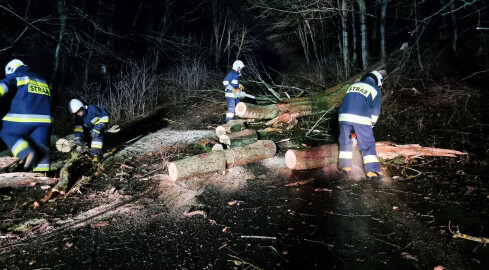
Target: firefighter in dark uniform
pixel 90 123
pixel 358 113
pixel 231 83
pixel 26 128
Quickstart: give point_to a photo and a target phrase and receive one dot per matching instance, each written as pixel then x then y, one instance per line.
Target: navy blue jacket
pixel 231 82
pixel 31 102
pixel 94 118
pixel 361 104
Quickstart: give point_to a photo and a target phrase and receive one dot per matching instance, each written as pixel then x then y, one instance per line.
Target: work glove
pixel 80 149
pixel 241 87
pixel 78 141
pixel 94 133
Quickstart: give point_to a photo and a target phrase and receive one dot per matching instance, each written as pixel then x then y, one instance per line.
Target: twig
pixel 258 237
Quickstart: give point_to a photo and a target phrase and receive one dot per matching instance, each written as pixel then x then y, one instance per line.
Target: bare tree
pixel 363 32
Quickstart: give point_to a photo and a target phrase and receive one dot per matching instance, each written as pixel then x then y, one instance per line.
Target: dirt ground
pixel 130 214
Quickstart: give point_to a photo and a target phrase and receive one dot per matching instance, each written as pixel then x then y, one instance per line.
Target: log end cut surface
pixel 173 171
pixel 290 159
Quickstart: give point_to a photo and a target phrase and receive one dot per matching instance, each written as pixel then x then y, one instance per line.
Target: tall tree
pixel 362 9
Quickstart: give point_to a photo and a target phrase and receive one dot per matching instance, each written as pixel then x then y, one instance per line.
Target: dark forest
pixel 157 66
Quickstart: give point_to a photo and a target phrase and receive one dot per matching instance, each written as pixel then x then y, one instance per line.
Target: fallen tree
pixel 218 161
pixel 328 154
pixel 24 178
pixel 240 138
pixel 287 111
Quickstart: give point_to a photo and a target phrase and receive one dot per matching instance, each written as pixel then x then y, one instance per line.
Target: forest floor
pixel 129 213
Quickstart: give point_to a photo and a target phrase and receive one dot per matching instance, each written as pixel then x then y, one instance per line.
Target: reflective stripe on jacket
pixel 361 104
pixel 31 102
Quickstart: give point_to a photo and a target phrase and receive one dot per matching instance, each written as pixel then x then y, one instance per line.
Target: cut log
pixel 240 138
pixel 288 110
pixel 257 151
pixel 311 158
pixel 328 154
pixel 231 126
pixel 24 178
pixel 218 161
pixel 199 164
pixel 217 147
pixel 64 145
pixel 7 163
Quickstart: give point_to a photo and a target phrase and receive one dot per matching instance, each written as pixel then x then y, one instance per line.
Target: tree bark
pixel 8 162
pixel 383 15
pixel 344 26
pixel 363 31
pixel 240 138
pixel 24 178
pixel 230 126
pixel 257 151
pixel 218 161
pixel 328 154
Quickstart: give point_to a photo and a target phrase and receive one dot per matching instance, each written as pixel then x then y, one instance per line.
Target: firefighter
pixel 231 82
pixel 26 127
pixel 358 114
pixel 90 123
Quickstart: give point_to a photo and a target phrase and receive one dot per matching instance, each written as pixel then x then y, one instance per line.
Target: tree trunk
pixel 64 145
pixel 218 161
pixel 257 151
pixel 24 178
pixel 363 31
pixel 328 154
pixel 240 138
pixel 8 162
pixel 196 165
pixel 354 35
pixel 344 26
pixel 311 158
pixel 383 14
pixel 230 126
pixel 287 110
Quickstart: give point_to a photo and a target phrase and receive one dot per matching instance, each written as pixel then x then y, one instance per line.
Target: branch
pixel 25 21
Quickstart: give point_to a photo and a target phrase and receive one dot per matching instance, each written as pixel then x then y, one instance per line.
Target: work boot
pixel 30 160
pixel 374 175
pixel 345 171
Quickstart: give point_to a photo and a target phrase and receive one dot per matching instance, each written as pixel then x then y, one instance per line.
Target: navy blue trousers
pixel 25 138
pixel 366 144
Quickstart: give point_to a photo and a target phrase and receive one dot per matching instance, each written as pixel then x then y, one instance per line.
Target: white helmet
pixel 380 78
pixel 12 66
pixel 238 64
pixel 75 105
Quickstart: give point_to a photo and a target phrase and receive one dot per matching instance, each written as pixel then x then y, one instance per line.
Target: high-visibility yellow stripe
pixel 19 146
pixel 78 129
pixel 97 145
pixel 41 168
pixel 104 119
pixel 3 89
pixel 27 120
pixel 22 80
pixel 370 159
pixel 346 154
pixel 346 117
